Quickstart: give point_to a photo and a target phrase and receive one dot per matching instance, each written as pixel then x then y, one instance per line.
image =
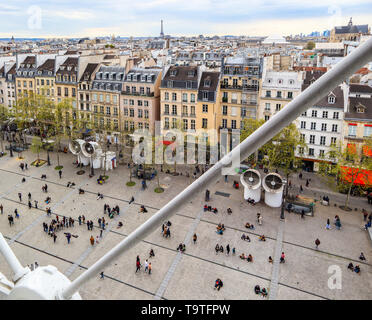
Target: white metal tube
pixel 11 259
pixel 342 70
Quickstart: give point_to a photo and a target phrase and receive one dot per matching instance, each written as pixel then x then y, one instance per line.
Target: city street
pixel 189 275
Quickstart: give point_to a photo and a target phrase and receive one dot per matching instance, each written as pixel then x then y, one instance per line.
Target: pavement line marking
pixel 177 259
pixel 278 252
pixel 37 220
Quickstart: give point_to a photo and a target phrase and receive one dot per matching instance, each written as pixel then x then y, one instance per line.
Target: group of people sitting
pixel 236 184
pixel 249 226
pixel 229 211
pixel 181 247
pixel 258 290
pixel 218 284
pixel 262 238
pixel 356 269
pixel 70 184
pixel 325 201
pixel 120 224
pixel 143 209
pixel 220 228
pixel 245 237
pixel 209 208
pixel 251 201
pixel 249 258
pixel 44 188
pixel 43 176
pixel 100 180
pixel 81 191
pixel 47 200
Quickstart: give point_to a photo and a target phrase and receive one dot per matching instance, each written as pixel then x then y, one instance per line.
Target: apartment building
pixel 178 97
pixel 105 93
pixel 321 127
pixel 358 118
pixel 140 99
pixel 10 93
pixel 277 90
pixel 84 93
pixel 239 85
pixel 45 79
pixel 25 76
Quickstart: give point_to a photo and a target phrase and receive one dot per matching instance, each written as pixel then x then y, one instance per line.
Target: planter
pixel 345 208
pixel 130 183
pixel 159 190
pixel 58 167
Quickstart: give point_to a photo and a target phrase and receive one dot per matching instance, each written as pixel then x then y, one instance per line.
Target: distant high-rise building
pixel 161 30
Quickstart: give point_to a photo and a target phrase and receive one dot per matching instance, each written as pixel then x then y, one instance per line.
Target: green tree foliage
pixel 310 45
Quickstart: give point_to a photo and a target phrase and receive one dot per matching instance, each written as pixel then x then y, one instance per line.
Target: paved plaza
pixel 190 275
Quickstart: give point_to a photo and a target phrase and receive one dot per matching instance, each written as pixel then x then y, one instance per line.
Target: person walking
pixel 100 233
pixel 150 268
pixel 301 189
pixel 60 174
pixel 317 242
pixel 20 196
pixel 194 238
pixel 365 215
pixel 302 214
pixel 68 236
pixel 29 205
pixel 16 213
pixel 29 196
pixel 102 276
pixel 91 240
pixel 36 202
pixel 54 237
pixel 226 179
pixel 1 209
pixel 146 265
pixel 228 249
pixel 260 220
pixel 138 264
pixel 282 258
pixel 11 220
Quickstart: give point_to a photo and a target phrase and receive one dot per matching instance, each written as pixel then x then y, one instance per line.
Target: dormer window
pixel 19 73
pixel 190 74
pixel 50 73
pixel 39 72
pixel 33 66
pixel 69 68
pixel 207 83
pixel 143 77
pixel 62 67
pixel 291 81
pixel 173 72
pixel 361 109
pixel 28 66
pixel 331 99
pixel 280 81
pixel 22 65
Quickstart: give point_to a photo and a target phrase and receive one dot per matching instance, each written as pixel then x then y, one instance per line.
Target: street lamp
pixel 283 200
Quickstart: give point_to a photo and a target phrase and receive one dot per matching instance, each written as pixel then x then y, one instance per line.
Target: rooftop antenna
pixel 161 29
pixel 52 284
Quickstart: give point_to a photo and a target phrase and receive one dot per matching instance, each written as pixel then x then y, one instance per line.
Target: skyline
pixel 77 19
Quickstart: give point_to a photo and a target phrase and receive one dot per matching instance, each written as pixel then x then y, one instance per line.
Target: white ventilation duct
pixel 251 180
pixel 76 147
pixel 273 186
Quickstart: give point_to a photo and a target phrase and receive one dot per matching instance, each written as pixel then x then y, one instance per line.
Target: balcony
pixel 224 99
pixel 138 94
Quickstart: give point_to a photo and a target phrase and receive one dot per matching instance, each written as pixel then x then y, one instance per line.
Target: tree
pixel 36 146
pixel 250 126
pixel 310 45
pixel 351 166
pixel 4 116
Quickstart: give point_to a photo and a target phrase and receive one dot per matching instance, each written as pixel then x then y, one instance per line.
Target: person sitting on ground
pixel 209 208
pixel 214 210
pixel 236 185
pixel 229 211
pixel 81 191
pixel 250 258
pixel 143 209
pixel 257 289
pixel 221 248
pixel 217 248
pixel 205 208
pixel 249 226
pixel 264 292
pixel 152 254
pixel 120 224
pixel 68 184
pixel 262 238
pixel 99 196
pixel 362 257
pixel 23 179
pixel 270 259
pixel 245 237
pixel 357 269
pixel 350 266
pixel 242 256
pixel 47 200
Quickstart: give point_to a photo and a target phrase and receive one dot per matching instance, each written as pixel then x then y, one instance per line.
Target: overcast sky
pixel 89 18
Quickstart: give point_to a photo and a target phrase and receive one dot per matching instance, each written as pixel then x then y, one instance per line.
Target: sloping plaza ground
pixel 190 275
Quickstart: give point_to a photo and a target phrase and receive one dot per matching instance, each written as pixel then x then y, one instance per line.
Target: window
pixel 192 125
pixel 108 98
pixel 312 139
pixel 185 124
pixel 131 102
pixel 204 123
pixel 166 109
pixel 126 101
pixel 301 150
pixel 101 98
pixel 302 137
pixel 290 95
pixel 146 103
pixel 192 113
pixel 174 109
pixel 279 94
pixel 166 95
pixel 268 94
pixel 108 110
pixel 192 97
pixel 267 106
pixel 166 123
pixel 321 153
pixel 322 141
pixel 184 97
pixel 59 89
pixel 333 141
pixel 278 106
pixel 311 152
pixel 66 92
pixel 205 108
pixel 174 96
pixel 146 114
pixel 331 99
pixel 205 95
pixel 142 90
pixel 115 99
pixel 367 130
pixel 313 125
pixel 325 115
pixel 324 127
pixel 334 127
pixel 224 110
pixel 314 113
pixel 139 103
pixel 96 109
pixel 174 123
pixel 352 130
pixel 115 111
pixel 131 113
pixel 303 124
pixel 359 109
pixel 140 113
pixel 233 124
pixel 304 114
pixel 335 115
pixel 224 123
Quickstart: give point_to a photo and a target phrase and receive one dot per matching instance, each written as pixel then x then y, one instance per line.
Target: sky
pixel 91 18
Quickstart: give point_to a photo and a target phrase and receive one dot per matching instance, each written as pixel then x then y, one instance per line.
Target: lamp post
pixel 283 200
